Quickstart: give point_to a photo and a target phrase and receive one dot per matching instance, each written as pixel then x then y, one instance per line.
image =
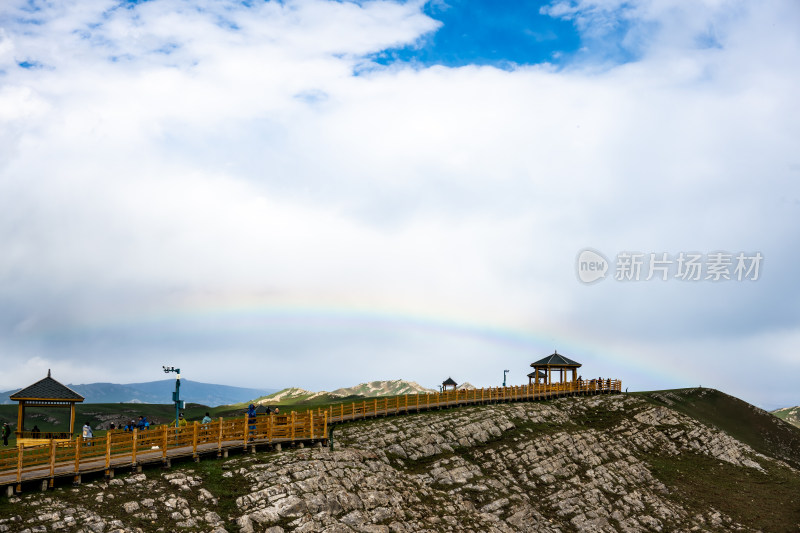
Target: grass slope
pixel 753 426
pixel 789 414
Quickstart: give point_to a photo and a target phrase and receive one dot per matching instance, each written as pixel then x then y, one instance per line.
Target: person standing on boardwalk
pixel 251 417
pixel 6 433
pixel 87 432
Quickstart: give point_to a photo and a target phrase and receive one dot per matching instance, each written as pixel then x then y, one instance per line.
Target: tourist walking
pixel 6 433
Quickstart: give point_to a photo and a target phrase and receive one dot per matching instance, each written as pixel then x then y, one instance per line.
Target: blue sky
pixel 316 193
pixel 501 34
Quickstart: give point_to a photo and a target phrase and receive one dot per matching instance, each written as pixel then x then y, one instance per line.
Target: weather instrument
pixel 176 396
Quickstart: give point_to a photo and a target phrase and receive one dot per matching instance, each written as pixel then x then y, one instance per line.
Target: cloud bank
pixel 239 190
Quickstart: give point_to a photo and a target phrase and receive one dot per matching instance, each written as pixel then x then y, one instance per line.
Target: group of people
pixel 141 424
pixel 183 422
pixel 252 412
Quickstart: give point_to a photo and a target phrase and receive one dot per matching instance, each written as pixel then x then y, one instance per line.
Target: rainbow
pixel 248 314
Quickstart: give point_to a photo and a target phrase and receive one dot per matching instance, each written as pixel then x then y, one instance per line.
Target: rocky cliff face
pixel 608 463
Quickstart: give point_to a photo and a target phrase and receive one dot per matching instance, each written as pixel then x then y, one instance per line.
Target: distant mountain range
pixel 790 414
pixel 295 395
pixel 160 392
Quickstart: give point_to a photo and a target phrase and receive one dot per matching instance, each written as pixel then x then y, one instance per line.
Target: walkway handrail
pixel 118 447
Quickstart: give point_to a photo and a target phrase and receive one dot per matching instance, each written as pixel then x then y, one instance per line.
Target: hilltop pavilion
pixel 543 369
pixel 449 383
pixel 44 393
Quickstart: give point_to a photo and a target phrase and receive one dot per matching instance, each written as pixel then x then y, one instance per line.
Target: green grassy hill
pixel 755 427
pixel 789 414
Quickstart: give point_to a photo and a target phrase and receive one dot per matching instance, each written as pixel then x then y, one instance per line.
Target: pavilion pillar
pixel 71 419
pixel 20 416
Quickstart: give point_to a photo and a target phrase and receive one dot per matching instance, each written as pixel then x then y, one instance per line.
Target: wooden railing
pixel 118 448
pixel 424 401
pixel 43 435
pixel 123 448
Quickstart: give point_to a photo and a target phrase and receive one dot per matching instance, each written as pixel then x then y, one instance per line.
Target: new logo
pixel 591 266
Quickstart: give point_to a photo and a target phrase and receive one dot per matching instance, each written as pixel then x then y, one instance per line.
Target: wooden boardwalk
pixel 122 449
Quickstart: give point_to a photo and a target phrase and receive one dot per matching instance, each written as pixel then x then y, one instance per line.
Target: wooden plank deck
pixel 120 449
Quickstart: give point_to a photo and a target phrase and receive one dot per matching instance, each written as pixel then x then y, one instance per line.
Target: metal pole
pixel 176 396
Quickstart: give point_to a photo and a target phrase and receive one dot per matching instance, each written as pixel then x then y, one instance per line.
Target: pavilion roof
pixel 449 381
pixel 556 359
pixel 542 374
pixel 47 389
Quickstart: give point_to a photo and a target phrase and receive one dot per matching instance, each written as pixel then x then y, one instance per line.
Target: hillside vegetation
pixel 660 461
pixel 295 396
pixel 789 414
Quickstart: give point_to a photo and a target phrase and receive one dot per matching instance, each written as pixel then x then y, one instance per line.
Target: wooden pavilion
pixel 449 383
pixel 543 369
pixel 44 393
pixel 537 375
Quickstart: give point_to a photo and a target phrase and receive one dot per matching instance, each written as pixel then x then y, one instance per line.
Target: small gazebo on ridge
pixel 449 383
pixel 543 369
pixel 46 392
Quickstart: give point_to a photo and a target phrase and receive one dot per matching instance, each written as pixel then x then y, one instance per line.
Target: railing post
pixel 245 430
pixel 194 438
pixel 20 453
pixel 52 459
pixel 77 455
pixel 325 427
pixel 108 449
pixel 293 418
pixel 135 442
pixel 270 423
pixel 311 423
pixel 164 440
pixel 219 444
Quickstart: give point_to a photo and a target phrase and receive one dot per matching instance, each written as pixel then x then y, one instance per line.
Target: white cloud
pixel 231 154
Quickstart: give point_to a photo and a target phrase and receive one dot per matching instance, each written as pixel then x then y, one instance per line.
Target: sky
pixel 320 193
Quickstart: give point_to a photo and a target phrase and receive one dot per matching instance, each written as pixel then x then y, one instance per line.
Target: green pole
pixel 177 396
